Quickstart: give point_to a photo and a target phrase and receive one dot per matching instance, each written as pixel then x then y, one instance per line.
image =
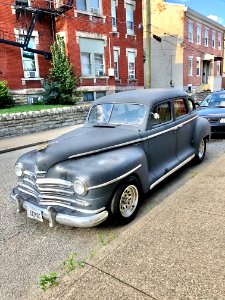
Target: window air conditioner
pixel 30 74
pixel 100 73
pixel 95 10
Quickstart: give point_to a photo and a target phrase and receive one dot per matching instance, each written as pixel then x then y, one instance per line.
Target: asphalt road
pixel 29 248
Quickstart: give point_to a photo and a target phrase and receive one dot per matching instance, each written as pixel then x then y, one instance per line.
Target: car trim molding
pixel 114 180
pixel 172 171
pixel 131 142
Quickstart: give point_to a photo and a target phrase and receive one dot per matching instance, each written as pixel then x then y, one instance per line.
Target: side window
pixel 180 107
pixel 190 104
pixel 160 114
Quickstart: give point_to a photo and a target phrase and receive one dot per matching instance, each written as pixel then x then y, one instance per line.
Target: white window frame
pixel 27 73
pixel 114 14
pixel 90 8
pixel 198 61
pixel 134 51
pixel 190 30
pixel 219 40
pixel 116 71
pixel 130 31
pixel 213 39
pixel 198 35
pixel 190 59
pixel 206 37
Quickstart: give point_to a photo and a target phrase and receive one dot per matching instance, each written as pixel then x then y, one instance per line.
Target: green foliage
pixel 5 99
pixel 105 239
pixel 61 86
pixel 47 280
pixel 70 263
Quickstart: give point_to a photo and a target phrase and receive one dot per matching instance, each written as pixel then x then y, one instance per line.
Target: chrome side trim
pixel 132 142
pixel 172 171
pixel 114 180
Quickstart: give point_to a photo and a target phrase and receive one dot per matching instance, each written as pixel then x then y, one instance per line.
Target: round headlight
pixel 80 186
pixel 19 169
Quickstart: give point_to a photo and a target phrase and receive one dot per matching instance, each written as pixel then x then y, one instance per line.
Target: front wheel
pixel 124 204
pixel 199 157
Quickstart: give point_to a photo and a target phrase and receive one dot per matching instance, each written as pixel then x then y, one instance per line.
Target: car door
pixel 161 136
pixel 186 116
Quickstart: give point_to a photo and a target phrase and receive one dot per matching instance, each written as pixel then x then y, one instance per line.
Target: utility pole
pixel 147 39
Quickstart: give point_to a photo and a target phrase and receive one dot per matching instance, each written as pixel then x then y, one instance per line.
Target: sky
pixel 214 9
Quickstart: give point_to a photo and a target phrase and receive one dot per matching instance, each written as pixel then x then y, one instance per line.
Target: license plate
pixel 34 213
pixel 222 120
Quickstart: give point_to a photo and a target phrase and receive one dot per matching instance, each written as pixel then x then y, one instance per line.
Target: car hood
pixel 84 141
pixel 211 112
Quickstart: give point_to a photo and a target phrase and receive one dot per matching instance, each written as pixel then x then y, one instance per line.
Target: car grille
pixel 49 191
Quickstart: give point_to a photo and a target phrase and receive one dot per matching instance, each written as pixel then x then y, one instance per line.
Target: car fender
pixel 105 170
pixel 202 130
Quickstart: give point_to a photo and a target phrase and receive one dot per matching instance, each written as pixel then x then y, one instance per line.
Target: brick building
pixel 188 50
pixel 104 41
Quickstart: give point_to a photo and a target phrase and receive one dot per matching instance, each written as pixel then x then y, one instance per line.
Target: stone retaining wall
pixel 35 121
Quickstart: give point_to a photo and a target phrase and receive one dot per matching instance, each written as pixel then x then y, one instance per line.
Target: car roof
pixel 142 96
pixel 218 92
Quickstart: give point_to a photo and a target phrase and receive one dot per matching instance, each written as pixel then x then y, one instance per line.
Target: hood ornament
pixel 42 146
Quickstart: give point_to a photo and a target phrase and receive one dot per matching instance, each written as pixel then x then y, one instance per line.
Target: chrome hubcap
pixel 129 201
pixel 201 149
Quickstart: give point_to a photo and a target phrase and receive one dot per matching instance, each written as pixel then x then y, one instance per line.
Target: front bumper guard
pixel 53 217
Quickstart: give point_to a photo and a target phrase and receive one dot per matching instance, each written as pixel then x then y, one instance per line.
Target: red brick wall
pixel 195 50
pixel 10 57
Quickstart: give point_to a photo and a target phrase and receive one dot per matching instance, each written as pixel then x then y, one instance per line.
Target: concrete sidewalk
pixel 176 251
pixel 29 140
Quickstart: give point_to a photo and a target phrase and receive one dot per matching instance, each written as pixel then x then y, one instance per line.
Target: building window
pixel 116 64
pixel 99 65
pixel 131 65
pixel 29 60
pixel 206 37
pixel 198 34
pixel 92 6
pixel 113 13
pixel 219 40
pixel 86 64
pixel 23 3
pixel 218 68
pixel 198 66
pixel 190 66
pixel 213 39
pixel 130 18
pixel 91 96
pixel 190 31
pixel 92 57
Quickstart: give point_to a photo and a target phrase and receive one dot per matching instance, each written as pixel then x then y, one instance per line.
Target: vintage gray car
pixel 130 142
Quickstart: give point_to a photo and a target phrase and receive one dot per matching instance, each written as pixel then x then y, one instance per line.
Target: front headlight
pixel 80 186
pixel 19 169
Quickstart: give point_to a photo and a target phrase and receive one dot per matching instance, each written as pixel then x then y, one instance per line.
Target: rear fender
pixel 202 131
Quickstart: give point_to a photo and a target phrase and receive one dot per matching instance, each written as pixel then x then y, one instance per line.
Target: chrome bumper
pixel 64 219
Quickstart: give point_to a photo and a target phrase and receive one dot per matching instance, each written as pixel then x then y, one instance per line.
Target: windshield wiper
pixel 104 125
pixel 222 106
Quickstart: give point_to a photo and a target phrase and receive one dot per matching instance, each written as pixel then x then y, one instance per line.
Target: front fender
pixel 202 130
pixel 103 171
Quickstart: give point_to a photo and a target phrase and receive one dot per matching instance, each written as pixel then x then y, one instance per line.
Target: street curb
pixel 22 147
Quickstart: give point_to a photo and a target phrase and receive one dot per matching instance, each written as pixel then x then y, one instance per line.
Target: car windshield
pixel 117 114
pixel 214 100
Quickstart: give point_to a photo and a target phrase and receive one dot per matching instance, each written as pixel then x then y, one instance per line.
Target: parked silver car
pixel 131 141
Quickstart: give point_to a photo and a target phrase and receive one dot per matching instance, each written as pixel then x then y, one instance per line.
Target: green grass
pixel 25 108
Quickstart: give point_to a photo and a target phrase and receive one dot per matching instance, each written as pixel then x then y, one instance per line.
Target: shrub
pixel 60 88
pixel 5 99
